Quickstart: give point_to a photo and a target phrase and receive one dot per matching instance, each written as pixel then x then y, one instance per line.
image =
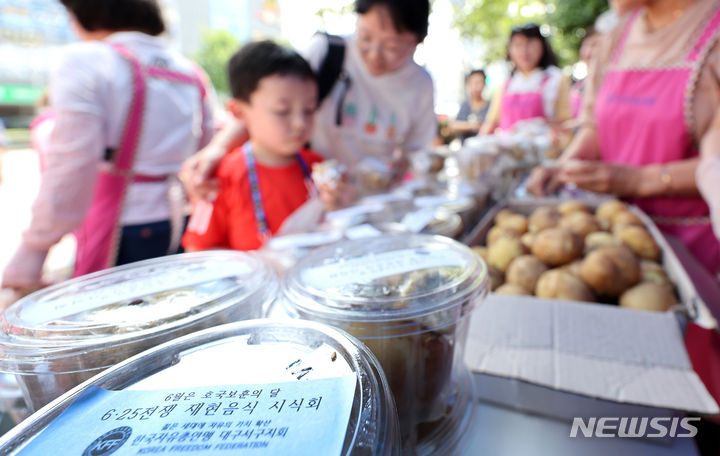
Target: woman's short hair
pixel 117 15
pixel 531 31
pixel 407 15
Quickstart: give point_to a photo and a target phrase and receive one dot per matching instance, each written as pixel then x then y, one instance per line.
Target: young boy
pixel 274 94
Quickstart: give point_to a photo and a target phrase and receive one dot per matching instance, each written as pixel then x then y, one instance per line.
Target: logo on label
pixel 109 442
pixel 657 427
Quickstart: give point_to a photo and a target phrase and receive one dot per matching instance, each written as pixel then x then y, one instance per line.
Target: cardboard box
pixel 566 359
pixel 559 355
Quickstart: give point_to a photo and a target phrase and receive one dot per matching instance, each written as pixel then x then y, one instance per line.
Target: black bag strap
pixel 331 67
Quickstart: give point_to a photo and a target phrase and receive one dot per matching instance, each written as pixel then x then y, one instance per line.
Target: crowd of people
pixel 130 114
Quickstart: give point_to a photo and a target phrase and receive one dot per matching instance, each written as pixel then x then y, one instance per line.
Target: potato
pixel 525 271
pixel 527 240
pixel 482 251
pixel 648 296
pixel 607 210
pixel 542 218
pixel 653 272
pixel 498 232
pixel 600 239
pixel 559 284
pixel 503 251
pixel 611 270
pixel 622 218
pixel 504 213
pixel 557 246
pixel 581 223
pixel 512 290
pixel 640 241
pixel 568 207
pixel 515 222
pixel 574 268
pixel 497 278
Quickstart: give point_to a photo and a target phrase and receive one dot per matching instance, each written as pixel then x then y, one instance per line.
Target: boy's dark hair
pixel 261 59
pixel 407 15
pixel 479 71
pixel 531 31
pixel 117 15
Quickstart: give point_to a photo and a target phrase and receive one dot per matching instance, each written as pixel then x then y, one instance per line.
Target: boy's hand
pixel 337 195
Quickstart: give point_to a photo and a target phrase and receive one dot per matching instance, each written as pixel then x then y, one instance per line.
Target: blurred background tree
pixel 489 22
pixel 217 48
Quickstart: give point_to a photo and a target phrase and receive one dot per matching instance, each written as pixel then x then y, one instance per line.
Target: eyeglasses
pixel 390 51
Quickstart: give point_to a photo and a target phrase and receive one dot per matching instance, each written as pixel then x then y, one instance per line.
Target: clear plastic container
pixel 59 337
pixel 407 297
pixel 200 360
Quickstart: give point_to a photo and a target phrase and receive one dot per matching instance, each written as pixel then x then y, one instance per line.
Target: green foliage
pixel 217 48
pixel 489 22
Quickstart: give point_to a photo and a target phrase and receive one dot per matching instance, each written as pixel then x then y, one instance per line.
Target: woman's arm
pixel 708 171
pixel 492 120
pixel 71 165
pixel 669 179
pixel 546 180
pixel 563 110
pixel 197 171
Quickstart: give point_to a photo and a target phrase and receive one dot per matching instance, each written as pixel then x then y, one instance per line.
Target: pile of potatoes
pixel 567 252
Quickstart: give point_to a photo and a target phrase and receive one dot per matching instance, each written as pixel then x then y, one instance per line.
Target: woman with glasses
pixel 379 107
pixel 536 88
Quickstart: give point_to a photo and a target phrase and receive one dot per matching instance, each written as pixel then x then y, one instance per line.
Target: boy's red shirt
pixel 232 223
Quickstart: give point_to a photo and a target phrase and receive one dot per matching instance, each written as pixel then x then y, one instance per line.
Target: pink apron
pixel 98 236
pixel 643 117
pixel 521 106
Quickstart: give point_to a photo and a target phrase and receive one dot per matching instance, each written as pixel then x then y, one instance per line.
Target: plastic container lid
pixel 271 348
pixel 407 297
pixel 100 319
pixel 389 278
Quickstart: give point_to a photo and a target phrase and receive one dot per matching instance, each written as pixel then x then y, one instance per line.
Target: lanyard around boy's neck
pixel 258 207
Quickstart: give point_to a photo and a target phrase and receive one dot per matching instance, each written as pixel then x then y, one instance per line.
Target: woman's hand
pixel 543 181
pixel 601 177
pixel 197 171
pixel 23 273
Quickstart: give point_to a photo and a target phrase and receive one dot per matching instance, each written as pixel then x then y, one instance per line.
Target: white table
pixel 499 431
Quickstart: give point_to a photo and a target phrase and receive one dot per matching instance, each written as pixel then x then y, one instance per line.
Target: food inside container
pixel 54 339
pixel 316 386
pixel 575 251
pixel 373 175
pixel 407 297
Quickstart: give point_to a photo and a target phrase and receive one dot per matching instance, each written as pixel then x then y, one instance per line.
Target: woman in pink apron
pixel 536 88
pixel 587 45
pixel 650 119
pixel 128 112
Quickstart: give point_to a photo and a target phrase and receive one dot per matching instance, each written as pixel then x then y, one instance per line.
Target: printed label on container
pixel 363 231
pixel 368 268
pixel 418 220
pixel 300 419
pixel 153 280
pixel 291 241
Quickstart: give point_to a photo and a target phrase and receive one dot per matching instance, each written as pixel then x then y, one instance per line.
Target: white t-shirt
pixel 379 113
pixel 91 90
